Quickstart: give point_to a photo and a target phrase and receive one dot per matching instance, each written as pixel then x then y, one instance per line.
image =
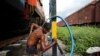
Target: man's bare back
pixel 36 38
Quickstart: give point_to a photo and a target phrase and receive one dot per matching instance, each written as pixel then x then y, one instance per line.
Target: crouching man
pixel 36 41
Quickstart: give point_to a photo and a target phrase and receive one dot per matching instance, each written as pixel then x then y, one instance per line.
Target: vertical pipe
pixel 53 25
pixel 54 35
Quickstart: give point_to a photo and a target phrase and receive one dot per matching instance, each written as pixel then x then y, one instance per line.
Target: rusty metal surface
pixel 98 12
pixel 84 15
pixel 60 23
pixel 88 14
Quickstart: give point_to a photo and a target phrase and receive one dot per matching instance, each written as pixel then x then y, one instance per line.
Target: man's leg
pixel 39 49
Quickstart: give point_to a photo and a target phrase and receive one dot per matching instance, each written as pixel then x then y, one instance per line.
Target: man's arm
pixel 45 47
pixel 33 26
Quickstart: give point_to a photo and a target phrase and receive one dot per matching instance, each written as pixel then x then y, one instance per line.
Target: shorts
pixel 31 49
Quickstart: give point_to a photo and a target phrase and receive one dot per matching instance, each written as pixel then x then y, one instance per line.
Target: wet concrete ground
pixel 19 49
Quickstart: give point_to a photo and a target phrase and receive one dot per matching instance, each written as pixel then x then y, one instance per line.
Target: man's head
pixel 46 27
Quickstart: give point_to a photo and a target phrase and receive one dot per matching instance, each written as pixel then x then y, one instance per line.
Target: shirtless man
pixel 36 36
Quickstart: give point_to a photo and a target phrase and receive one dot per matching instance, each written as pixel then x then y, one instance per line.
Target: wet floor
pixel 19 49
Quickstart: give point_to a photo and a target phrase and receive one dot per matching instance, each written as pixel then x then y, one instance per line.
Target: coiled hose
pixel 71 34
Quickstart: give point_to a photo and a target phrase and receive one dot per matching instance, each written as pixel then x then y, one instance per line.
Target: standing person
pixel 36 39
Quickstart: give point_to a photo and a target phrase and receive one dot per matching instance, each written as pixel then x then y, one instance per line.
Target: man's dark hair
pixel 47 26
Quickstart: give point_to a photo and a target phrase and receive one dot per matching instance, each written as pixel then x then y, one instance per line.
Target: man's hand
pixel 55 40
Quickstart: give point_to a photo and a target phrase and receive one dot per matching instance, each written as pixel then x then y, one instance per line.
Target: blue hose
pixel 71 35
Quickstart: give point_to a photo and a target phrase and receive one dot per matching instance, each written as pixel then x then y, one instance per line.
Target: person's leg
pixel 39 49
